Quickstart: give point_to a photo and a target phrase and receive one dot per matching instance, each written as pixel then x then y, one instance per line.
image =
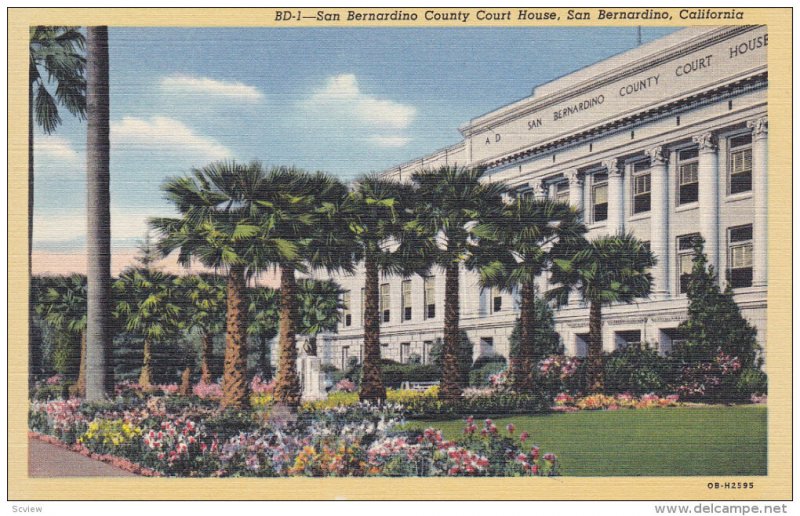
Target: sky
pixel 345 101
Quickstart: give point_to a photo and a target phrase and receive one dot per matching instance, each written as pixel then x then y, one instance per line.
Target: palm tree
pixel 204 311
pixel 319 309
pixel 243 220
pixel 450 202
pixel 310 206
pixel 61 302
pixel 99 374
pixel 609 269
pixel 376 213
pixel 263 308
pixel 57 51
pixel 148 307
pixel 524 240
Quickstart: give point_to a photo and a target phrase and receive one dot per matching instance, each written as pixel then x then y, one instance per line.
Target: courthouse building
pixel 666 141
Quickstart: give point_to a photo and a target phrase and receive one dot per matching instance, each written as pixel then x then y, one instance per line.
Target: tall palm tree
pixel 57 52
pixel 99 334
pixel 204 311
pixel 319 309
pixel 609 269
pixel 450 202
pixel 61 302
pixel 244 220
pixel 264 310
pixel 377 211
pixel 524 239
pixel 148 306
pixel 311 206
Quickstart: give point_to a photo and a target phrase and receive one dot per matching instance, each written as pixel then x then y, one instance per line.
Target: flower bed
pixel 189 437
pixel 566 403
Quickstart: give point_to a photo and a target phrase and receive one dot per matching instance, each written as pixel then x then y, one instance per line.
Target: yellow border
pixel 777 485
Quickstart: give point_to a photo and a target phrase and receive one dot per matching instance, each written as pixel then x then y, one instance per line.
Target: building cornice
pixel 525 107
pixel 671 108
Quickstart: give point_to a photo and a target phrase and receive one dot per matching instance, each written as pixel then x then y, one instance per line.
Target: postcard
pixel 400 253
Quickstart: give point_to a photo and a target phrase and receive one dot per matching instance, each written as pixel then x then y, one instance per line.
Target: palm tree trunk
pixel 234 378
pixel 80 385
pixel 372 388
pixel 287 387
pixel 451 374
pixel 206 350
pixel 145 377
pixel 186 382
pixel 99 374
pixel 595 365
pixel 522 366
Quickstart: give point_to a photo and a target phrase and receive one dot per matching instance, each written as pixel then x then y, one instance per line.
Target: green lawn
pixel 654 442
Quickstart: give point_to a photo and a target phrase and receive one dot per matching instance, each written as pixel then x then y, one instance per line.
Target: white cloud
pixel 389 141
pixel 56 148
pixel 164 135
pixel 187 84
pixel 341 97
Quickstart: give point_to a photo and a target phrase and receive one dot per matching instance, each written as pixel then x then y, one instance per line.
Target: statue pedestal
pixel 311 378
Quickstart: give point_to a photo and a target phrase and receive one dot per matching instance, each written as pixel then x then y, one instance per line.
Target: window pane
pixel 688 173
pixel 641 203
pixel 688 193
pixel 742 233
pixel 600 194
pixel 688 154
pixel 738 141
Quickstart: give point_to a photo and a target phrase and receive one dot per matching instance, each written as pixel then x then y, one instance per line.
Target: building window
pixel 641 187
pixel 427 347
pixel 383 303
pixel 345 356
pixel 384 350
pixel 740 256
pixel 687 176
pixel 405 299
pixel 599 197
pixel 347 316
pixel 685 260
pixel 497 300
pixel 405 352
pixel 740 164
pixel 487 346
pixel 524 192
pixel 430 297
pixel 562 192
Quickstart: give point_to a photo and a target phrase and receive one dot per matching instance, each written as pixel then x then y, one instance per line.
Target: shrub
pixel 636 369
pixel 484 369
pixel 751 382
pixel 395 374
pixel 483 405
pixel 559 373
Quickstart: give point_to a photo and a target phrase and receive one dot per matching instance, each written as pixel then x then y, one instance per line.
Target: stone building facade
pixel 666 141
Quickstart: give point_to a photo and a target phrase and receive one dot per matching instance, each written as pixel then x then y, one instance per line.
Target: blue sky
pixel 346 101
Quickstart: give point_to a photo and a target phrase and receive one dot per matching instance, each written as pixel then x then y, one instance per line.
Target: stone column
pixel 760 182
pixel 708 178
pixel 616 200
pixel 576 200
pixel 659 220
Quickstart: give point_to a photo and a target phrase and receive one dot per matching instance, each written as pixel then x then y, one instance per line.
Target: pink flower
pixel 493 429
pixel 510 428
pixel 535 469
pixel 488 422
pixel 550 457
pixel 535 452
pixel 523 437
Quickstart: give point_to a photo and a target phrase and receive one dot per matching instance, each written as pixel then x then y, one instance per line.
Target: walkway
pixel 48 460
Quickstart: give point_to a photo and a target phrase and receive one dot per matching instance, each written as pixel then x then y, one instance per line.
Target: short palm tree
pixel 56 52
pixel 523 241
pixel 204 311
pixel 223 224
pixel 377 211
pixel 264 310
pixel 61 302
pixel 148 306
pixel 319 309
pixel 449 203
pixel 609 269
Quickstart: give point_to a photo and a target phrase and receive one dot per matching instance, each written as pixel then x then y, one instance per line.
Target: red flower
pixel 535 452
pixel 510 428
pixel 523 436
